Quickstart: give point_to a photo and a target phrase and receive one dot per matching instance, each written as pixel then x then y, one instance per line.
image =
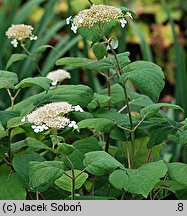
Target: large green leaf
pixel 11 187
pixel 116 93
pixel 43 82
pixel 139 99
pixel 159 132
pixel 147 76
pixel 15 58
pixel 92 34
pixel 102 66
pixel 141 151
pixel 65 182
pixel 8 79
pixel 43 174
pixel 9 75
pixel 154 108
pixel 100 163
pixel 78 62
pixel 123 60
pixel 74 94
pixel 99 124
pixel 178 172
pixel 5 116
pixel 21 165
pixel 141 180
pixel 87 145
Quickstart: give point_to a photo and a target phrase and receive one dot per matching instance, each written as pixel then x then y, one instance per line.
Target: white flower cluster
pixel 20 32
pixel 58 76
pixel 52 116
pixel 97 13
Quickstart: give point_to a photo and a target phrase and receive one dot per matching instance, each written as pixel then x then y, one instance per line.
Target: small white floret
pixel 123 22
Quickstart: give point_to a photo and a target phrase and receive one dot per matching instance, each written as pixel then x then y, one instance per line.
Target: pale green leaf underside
pixel 65 182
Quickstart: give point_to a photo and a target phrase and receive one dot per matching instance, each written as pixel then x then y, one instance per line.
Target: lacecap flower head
pixel 58 76
pixel 97 14
pixel 20 32
pixel 52 115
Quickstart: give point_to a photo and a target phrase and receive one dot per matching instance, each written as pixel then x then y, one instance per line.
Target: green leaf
pixel 123 59
pixel 5 116
pixel 43 82
pixel 34 143
pixel 3 133
pixel 65 183
pixel 154 108
pixel 74 94
pixel 6 83
pixel 99 50
pixel 11 76
pixel 183 137
pixel 8 79
pixel 89 34
pixel 87 145
pixel 11 187
pixel 65 149
pixel 141 151
pixel 147 76
pixel 99 124
pixel 102 66
pixel 171 185
pixel 89 64
pixel 43 174
pixel 139 99
pixel 139 181
pixel 178 172
pixel 100 163
pixel 99 101
pixel 116 93
pixel 76 158
pixel 21 165
pixel 15 58
pixel 159 132
pixel 43 48
pixel 92 34
pixel 28 142
pixel 15 122
pixel 125 10
pixel 114 43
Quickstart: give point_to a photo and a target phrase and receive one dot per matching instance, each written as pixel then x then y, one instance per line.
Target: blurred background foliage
pixel 158 34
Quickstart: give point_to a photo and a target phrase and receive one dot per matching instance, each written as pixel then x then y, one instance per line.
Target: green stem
pixel 72 179
pixel 128 154
pixel 130 120
pixel 13 98
pixel 119 70
pixel 32 57
pixel 54 132
pixel 90 2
